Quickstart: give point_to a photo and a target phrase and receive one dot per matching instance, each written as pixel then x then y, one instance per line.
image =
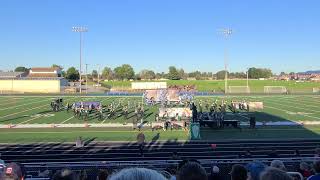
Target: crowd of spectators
pixel 185 170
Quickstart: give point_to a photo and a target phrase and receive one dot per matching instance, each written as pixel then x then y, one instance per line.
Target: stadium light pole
pixel 247 77
pixel 80 30
pixel 227 32
pixel 87 78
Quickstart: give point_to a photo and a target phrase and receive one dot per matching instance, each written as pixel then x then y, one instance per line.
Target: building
pixel 38 80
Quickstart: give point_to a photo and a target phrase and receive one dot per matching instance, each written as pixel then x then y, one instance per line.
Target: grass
pixel 107 134
pixel 256 86
pixel 36 110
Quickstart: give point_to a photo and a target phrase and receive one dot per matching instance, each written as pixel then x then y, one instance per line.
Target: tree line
pixel 126 72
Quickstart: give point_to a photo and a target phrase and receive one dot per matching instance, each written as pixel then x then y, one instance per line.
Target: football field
pixel 24 110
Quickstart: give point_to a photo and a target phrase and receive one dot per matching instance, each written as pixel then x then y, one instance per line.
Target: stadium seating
pixel 157 155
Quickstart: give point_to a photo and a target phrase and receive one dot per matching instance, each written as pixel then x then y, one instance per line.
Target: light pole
pixel 226 33
pixel 80 29
pixel 87 78
pixel 98 74
pixel 247 77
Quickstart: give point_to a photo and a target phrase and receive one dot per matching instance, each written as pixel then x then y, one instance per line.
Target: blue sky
pixel 279 34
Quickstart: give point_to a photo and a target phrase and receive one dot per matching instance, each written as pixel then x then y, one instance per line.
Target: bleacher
pixel 156 155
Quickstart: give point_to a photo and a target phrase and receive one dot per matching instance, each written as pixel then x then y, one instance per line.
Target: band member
pixel 125 112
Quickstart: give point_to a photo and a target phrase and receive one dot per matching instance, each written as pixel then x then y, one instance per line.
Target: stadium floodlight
pixel 226 32
pixel 80 29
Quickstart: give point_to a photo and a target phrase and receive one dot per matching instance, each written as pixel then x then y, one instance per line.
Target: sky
pixel 282 35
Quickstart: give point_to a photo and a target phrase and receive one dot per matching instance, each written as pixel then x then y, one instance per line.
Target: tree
pixel 256 73
pixel 124 72
pixel 173 73
pixel 58 66
pixel 94 74
pixel 147 74
pixel 72 74
pixel 221 74
pixel 21 69
pixel 182 74
pixel 107 73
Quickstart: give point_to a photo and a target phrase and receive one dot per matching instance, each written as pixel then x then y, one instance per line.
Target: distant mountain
pixel 310 72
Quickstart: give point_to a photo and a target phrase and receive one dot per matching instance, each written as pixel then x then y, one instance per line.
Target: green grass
pixel 107 134
pixel 36 110
pixel 256 86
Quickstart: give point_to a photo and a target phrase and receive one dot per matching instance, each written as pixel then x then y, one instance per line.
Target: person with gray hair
pixel 137 174
pixel 278 164
pixel 272 173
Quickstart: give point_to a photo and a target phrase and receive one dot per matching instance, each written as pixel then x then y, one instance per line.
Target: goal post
pixel 275 89
pixel 239 89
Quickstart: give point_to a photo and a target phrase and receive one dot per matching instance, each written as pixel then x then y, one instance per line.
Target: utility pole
pixel 87 78
pixel 226 34
pixel 80 29
pixel 98 74
pixel 247 77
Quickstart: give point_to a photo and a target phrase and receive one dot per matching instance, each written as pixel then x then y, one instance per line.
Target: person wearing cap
pixel 13 171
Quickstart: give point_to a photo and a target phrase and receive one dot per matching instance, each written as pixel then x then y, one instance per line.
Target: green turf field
pixel 36 110
pixel 256 86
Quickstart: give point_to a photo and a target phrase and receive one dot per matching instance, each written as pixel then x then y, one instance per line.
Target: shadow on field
pixel 268 126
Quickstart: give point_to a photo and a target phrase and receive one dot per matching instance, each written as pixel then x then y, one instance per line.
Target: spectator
pixel 316 167
pixel 317 152
pixel 103 174
pixel 255 169
pixel 2 165
pixel 137 174
pixel 192 171
pixel 274 174
pixel 238 172
pixel 305 169
pixel 278 164
pixel 215 173
pixel 65 174
pixel 13 171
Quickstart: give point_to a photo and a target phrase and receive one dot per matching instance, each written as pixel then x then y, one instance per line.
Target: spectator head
pixel 274 174
pixel 103 174
pixel 215 169
pixel 65 174
pixel 304 166
pixel 238 172
pixel 192 171
pixel 278 164
pixel 255 169
pixel 316 166
pixel 13 171
pixel 137 174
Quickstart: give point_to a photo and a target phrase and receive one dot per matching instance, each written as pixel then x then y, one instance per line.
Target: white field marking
pixel 23 111
pixel 294 100
pixel 288 111
pixel 284 104
pixel 9 101
pixel 313 99
pixel 67 120
pixel 13 107
pixel 29 120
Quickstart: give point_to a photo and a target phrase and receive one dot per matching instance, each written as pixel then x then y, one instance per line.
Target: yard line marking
pixel 284 104
pixel 297 101
pixel 288 110
pixel 24 111
pixel 67 120
pixel 29 120
pixel 23 104
pixel 8 101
